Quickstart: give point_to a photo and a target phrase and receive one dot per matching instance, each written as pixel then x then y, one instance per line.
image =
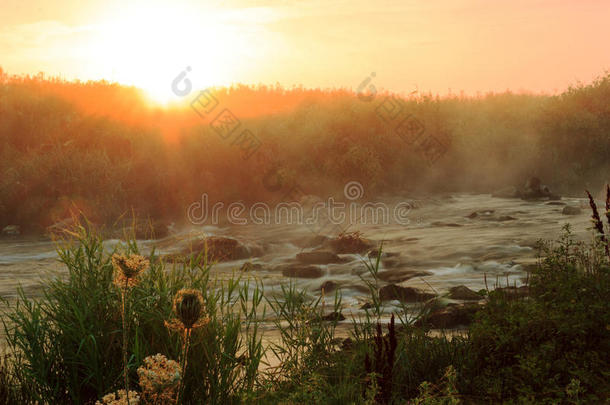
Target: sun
pixel 149 46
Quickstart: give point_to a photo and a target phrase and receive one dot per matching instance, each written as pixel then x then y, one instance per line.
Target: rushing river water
pixel 442 240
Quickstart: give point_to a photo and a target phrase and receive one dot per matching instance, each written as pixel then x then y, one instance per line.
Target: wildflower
pixel 188 308
pixel 119 398
pixel 159 378
pixel 127 269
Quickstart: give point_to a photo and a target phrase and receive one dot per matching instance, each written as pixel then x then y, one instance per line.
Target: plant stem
pixel 185 350
pixel 124 316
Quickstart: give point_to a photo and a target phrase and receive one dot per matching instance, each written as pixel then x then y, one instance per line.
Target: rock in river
pixel 570 210
pixel 398 276
pixel 221 249
pixel 392 292
pixel 301 271
pixel 461 292
pixel 319 257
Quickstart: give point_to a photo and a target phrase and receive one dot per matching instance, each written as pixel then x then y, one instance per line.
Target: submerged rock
pixel 398 276
pixel 404 294
pixel 570 210
pixel 319 257
pixel 300 271
pixel 449 224
pixel 461 292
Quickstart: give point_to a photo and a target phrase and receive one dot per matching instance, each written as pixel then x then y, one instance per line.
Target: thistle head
pixel 189 308
pixel 127 269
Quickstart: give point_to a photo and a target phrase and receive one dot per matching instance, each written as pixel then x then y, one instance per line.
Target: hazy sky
pixel 470 45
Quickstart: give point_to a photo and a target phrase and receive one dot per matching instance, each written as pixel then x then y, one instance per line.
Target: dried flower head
pixel 127 269
pixel 189 309
pixel 159 378
pixel 119 398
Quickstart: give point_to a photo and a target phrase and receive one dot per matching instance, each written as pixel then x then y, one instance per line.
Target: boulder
pixel 392 292
pixel 398 276
pixel 570 210
pixel 348 244
pixel 450 316
pixel 535 190
pixel 461 292
pixel 319 257
pixel 300 271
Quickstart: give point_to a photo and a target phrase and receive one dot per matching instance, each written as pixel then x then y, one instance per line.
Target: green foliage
pixel 531 349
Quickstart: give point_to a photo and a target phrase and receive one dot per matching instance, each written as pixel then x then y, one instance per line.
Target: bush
pixel 531 349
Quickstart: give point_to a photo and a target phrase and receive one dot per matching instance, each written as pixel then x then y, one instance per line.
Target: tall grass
pixel 98 148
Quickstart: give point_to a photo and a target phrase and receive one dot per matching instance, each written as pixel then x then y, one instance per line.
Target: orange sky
pixel 436 45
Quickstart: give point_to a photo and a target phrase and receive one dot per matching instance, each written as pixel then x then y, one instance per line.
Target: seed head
pixel 189 308
pixel 127 269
